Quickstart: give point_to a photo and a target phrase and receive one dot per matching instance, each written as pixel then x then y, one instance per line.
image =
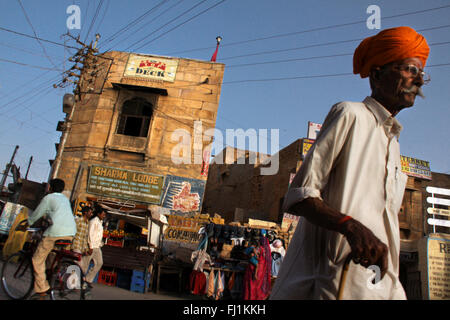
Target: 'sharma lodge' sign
pixel 125 184
pixel 153 68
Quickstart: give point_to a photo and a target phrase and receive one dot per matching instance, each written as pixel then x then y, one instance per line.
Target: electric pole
pixel 8 167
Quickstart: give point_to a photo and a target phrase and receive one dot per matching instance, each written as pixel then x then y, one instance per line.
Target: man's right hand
pixel 366 248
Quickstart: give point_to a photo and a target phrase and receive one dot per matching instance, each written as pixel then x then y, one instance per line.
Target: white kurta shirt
pixel 354 166
pixel 95 233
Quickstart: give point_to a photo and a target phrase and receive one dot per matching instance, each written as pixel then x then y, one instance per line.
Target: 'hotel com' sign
pixel 125 184
pixel 153 68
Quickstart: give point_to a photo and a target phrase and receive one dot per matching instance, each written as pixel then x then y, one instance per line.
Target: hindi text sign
pixel 125 184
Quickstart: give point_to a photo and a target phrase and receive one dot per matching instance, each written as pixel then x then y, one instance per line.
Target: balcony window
pixel 135 117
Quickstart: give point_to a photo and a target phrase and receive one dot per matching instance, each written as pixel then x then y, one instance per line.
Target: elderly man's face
pixel 395 87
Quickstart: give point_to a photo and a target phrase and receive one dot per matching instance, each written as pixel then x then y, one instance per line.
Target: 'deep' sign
pixel 150 67
pixel 125 184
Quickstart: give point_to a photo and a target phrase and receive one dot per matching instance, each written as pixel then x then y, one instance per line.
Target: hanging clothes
pixel 211 284
pixel 219 285
pixel 200 255
pixel 197 283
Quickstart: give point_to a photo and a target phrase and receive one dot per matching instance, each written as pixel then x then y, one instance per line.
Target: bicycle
pixel 65 276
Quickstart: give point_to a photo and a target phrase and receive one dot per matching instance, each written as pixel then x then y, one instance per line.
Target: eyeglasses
pixel 414 71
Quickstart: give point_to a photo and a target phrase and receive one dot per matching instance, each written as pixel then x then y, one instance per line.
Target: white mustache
pixel 414 89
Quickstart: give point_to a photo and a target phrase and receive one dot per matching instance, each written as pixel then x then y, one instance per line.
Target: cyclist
pixel 55 206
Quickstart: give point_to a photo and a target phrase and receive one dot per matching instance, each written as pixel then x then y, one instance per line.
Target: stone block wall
pixel 193 96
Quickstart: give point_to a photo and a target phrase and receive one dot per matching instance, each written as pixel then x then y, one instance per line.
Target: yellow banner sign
pixel 416 168
pixel 438 269
pixel 149 67
pixel 306 145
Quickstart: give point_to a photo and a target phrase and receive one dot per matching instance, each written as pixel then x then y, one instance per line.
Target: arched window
pixel 135 117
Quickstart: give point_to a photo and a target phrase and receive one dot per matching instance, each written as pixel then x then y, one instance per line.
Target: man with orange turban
pixel 350 186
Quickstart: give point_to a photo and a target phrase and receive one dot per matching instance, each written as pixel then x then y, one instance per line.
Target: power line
pixel 97 11
pixel 177 17
pixel 35 34
pixel 34 37
pixel 133 23
pixel 154 19
pixel 179 25
pixel 310 76
pixel 29 65
pixel 310 58
pixel 103 17
pixel 308 30
pixel 313 46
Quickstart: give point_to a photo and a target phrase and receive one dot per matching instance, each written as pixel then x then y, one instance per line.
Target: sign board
pixel 416 168
pixel 288 221
pixel 442 202
pixel 437 279
pixel 443 209
pixel 306 145
pixel 183 229
pixel 439 212
pixel 442 191
pixel 125 184
pixel 313 130
pixel 152 68
pixel 9 215
pixel 183 195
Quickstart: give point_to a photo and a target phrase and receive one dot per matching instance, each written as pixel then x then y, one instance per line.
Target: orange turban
pixel 388 46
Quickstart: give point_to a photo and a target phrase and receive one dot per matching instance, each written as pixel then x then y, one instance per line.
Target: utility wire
pixel 103 17
pixel 312 46
pixel 177 17
pixel 308 30
pixel 154 19
pixel 310 76
pixel 34 37
pixel 29 65
pixel 132 23
pixel 94 18
pixel 35 34
pixel 309 58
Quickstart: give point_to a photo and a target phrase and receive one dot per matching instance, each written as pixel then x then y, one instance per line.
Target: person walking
pixel 350 186
pixel 95 242
pixel 80 241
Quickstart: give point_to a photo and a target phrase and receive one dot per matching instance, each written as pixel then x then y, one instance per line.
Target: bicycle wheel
pixel 67 282
pixel 17 276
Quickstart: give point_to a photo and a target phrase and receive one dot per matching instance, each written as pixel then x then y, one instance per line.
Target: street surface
pixel 104 292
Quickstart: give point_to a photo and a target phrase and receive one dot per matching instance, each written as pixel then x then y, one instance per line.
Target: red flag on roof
pixel 214 56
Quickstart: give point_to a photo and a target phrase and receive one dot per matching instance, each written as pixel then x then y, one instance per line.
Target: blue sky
pixel 276 75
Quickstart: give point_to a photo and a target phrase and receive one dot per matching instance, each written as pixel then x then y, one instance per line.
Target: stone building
pixel 238 192
pixel 133 115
